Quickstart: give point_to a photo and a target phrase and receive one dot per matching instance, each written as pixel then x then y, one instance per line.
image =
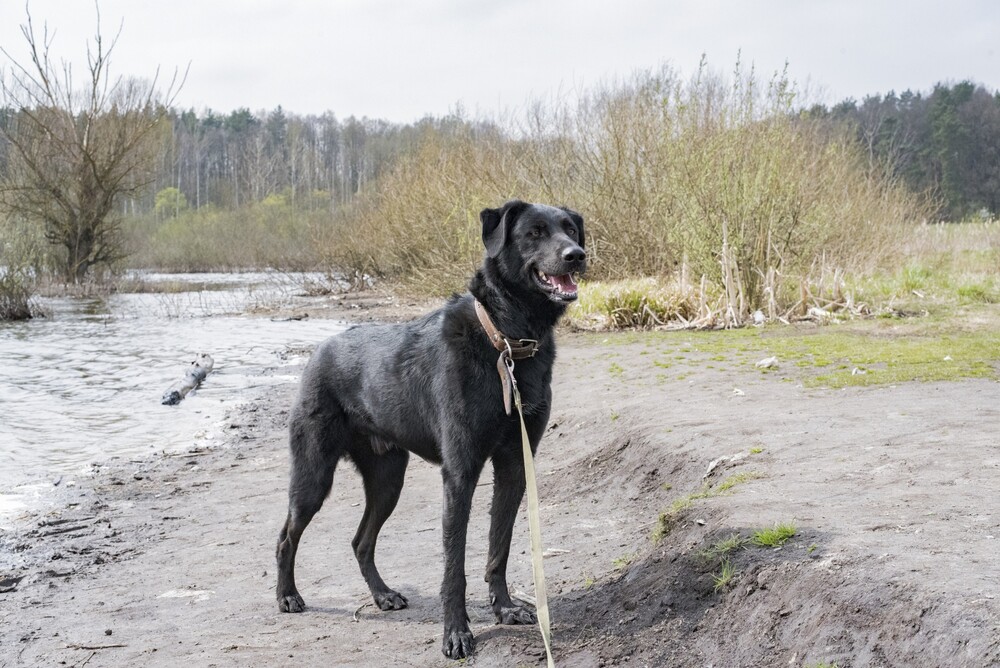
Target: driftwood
pixel 199 369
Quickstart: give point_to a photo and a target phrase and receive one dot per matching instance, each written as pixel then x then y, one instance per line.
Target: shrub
pixel 632 303
pixel 720 177
pixel 15 295
pixel 21 262
pixel 267 234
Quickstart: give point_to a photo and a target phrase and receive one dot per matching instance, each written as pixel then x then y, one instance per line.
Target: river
pixel 83 384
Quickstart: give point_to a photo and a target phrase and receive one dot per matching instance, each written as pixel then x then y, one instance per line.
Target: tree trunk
pixel 77 263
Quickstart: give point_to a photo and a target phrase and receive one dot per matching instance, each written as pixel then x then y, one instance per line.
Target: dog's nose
pixel 574 254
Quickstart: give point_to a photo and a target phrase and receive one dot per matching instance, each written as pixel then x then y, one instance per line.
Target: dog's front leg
pixel 508 489
pixel 459 487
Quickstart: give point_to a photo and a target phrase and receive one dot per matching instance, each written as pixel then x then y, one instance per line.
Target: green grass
pixel 725 576
pixel 891 361
pixel 982 291
pixel 678 506
pixel 725 546
pixel 734 480
pixel 622 562
pixel 775 536
pixel 632 303
pixel 890 352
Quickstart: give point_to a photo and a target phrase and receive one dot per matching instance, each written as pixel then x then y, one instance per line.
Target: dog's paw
pixel 391 600
pixel 291 603
pixel 515 614
pixel 458 643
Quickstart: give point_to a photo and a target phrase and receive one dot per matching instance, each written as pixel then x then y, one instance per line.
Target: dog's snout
pixel 574 254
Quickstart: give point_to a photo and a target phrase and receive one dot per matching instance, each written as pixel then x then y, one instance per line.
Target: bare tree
pixel 75 151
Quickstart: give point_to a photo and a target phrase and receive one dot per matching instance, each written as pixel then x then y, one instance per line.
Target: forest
pixel 946 142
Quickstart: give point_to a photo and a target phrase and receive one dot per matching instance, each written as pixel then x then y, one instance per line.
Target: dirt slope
pixel 893 492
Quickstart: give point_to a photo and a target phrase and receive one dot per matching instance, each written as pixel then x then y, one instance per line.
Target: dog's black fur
pixel 376 393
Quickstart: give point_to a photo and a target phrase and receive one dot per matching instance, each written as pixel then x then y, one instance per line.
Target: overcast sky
pixel 403 60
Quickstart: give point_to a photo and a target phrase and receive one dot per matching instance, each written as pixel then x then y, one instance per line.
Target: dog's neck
pixel 518 313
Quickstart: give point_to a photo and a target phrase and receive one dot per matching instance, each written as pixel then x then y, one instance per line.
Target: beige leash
pixel 509 351
pixel 541 598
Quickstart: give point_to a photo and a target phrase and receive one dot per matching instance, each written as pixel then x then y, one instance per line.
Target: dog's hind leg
pixel 315 449
pixel 383 476
pixel 508 489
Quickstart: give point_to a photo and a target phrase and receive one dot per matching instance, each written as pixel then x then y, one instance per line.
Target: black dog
pixel 374 394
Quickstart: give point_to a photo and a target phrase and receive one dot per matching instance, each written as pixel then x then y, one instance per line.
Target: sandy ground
pixel 893 491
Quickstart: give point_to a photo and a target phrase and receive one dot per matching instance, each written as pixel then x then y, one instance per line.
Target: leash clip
pixel 505 367
pixel 508 358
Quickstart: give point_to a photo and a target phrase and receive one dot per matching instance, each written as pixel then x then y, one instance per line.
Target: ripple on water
pixel 84 384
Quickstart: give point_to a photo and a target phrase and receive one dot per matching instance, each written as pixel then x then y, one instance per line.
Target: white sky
pixel 402 60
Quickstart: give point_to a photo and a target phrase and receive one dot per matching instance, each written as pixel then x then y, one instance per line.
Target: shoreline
pixel 889 493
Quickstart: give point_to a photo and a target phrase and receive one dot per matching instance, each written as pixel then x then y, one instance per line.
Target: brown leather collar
pixel 519 348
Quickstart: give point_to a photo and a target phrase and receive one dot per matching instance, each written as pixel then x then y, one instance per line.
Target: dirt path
pixel 893 492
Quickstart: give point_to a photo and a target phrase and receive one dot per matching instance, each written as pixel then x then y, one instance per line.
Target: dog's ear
pixel 497 224
pixel 578 221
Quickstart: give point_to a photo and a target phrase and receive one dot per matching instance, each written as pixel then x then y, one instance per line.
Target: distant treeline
pixel 236 159
pixel 946 142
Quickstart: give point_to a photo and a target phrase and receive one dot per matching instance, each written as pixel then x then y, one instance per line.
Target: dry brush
pixel 710 177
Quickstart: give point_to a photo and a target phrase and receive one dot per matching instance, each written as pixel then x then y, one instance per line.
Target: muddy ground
pixel 893 492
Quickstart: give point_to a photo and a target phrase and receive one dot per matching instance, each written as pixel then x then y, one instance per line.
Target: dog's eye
pixel 571 231
pixel 535 232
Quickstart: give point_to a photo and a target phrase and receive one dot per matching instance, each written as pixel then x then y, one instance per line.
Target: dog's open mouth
pixel 562 287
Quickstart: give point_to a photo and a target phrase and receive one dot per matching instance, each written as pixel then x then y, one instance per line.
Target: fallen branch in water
pixel 197 372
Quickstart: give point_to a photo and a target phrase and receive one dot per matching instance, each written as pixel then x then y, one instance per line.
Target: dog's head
pixel 537 247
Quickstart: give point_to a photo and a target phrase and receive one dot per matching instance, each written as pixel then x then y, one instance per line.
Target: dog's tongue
pixel 564 284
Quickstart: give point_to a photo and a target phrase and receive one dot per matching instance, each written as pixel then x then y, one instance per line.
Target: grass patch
pixel 725 576
pixel 982 292
pixel 889 351
pixel 622 562
pixel 668 518
pixel 639 303
pixel 776 536
pixel 732 481
pixel 725 546
pixel 886 361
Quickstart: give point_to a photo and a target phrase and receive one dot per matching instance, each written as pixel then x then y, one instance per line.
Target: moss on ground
pixel 861 353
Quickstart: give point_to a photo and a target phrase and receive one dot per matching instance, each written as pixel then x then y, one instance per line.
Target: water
pixel 84 384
